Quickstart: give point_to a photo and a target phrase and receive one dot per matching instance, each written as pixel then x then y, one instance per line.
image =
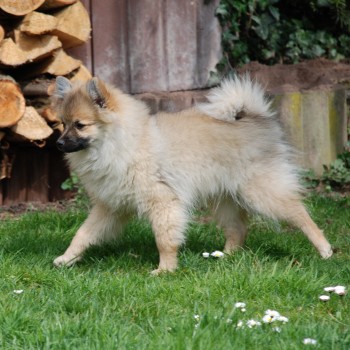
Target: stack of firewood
pixel 34 36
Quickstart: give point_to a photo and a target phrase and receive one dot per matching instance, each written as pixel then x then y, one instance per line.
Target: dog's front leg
pixel 100 225
pixel 168 223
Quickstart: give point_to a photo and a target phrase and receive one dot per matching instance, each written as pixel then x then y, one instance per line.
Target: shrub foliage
pixel 276 31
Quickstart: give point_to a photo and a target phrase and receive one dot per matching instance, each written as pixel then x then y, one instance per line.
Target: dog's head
pixel 83 111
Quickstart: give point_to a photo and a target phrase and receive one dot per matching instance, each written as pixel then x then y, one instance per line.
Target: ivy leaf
pixel 275 13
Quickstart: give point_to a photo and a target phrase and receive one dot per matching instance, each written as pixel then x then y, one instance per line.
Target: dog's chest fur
pixel 108 182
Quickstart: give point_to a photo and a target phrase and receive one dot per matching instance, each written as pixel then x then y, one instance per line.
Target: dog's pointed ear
pixel 97 92
pixel 62 87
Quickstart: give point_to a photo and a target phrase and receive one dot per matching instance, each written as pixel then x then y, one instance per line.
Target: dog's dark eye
pixel 79 125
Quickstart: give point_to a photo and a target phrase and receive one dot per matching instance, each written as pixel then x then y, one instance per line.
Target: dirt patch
pixel 309 75
pixel 16 210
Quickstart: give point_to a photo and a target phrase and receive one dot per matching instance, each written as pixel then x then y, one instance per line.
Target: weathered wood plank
pixel 37 176
pixel 146 40
pixel 180 22
pixel 110 42
pixel 58 173
pixel 15 188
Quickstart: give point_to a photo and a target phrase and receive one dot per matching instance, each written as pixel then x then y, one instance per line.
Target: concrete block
pixel 316 124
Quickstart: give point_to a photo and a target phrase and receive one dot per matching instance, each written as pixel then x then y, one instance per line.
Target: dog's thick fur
pixel 228 152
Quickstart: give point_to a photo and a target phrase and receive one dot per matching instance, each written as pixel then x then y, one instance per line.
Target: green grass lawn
pixel 110 300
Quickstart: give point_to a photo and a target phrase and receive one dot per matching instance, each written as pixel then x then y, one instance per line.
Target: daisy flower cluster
pixel 270 316
pixel 215 254
pixel 309 341
pixel 339 290
pixel 273 316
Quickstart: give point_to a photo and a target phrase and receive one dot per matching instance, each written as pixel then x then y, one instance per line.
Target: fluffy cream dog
pixel 229 152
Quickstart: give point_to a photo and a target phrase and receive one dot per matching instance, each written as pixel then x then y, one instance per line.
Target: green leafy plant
pixel 74 185
pixel 275 31
pixel 337 174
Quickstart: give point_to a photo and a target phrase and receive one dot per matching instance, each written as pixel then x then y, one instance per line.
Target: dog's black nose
pixel 60 143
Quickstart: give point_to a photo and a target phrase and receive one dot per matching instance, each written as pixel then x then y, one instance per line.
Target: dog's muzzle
pixel 69 146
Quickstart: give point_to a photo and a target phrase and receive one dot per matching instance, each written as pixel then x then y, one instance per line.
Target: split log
pixel 59 64
pixel 36 23
pixel 32 126
pixel 53 4
pixel 74 27
pixel 12 102
pixel 36 47
pixel 52 119
pixel 20 8
pixel 2 33
pixel 50 115
pixel 26 48
pixel 81 74
pixel 37 87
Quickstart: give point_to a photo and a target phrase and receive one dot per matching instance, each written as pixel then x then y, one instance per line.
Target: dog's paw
pixel 64 260
pixel 159 271
pixel 326 254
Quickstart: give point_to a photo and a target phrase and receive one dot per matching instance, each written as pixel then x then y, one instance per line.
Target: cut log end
pixel 12 103
pixel 20 8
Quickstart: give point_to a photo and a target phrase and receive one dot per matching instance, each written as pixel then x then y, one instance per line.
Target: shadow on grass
pixel 49 235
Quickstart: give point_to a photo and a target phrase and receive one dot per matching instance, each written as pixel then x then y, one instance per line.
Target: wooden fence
pixel 153 45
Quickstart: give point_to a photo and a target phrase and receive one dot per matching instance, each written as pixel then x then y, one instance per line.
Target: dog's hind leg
pixel 301 219
pixel 101 225
pixel 276 200
pixel 233 220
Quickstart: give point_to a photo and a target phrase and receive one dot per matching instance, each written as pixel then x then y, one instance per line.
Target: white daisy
pixel 253 323
pixel 309 341
pixel 240 324
pixel 340 290
pixel 240 305
pixel 18 291
pixel 324 297
pixel 267 319
pixel 274 314
pixel 283 319
pixel 217 254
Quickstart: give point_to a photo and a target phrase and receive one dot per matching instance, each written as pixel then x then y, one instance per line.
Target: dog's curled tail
pixel 235 98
